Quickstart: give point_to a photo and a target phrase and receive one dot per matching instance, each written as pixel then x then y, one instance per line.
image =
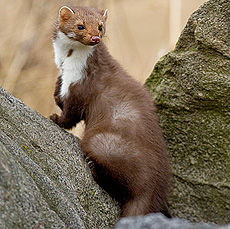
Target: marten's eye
pixel 100 27
pixel 80 27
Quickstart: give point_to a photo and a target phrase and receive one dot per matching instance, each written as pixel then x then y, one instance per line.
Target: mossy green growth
pixel 191 88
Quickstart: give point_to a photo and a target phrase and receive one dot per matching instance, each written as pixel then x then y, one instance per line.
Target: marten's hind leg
pixel 112 162
pixel 142 206
pixel 123 173
pixel 136 206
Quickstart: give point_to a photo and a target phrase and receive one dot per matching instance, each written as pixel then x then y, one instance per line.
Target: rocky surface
pixel 44 179
pixel 191 87
pixel 158 221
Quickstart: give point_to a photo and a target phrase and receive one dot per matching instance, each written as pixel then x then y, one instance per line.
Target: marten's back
pixel 124 139
pixel 120 104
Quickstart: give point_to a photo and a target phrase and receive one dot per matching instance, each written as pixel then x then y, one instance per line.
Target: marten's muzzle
pixel 95 40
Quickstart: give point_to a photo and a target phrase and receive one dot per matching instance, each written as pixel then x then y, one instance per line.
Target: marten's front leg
pixel 57 97
pixel 68 118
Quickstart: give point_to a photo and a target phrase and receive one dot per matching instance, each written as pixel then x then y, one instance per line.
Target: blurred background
pixel 138 34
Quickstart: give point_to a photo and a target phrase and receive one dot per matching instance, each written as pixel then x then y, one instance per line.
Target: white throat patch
pixel 72 67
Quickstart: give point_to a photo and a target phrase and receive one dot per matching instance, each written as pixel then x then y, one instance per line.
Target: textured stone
pixel 158 221
pixel 191 87
pixel 44 179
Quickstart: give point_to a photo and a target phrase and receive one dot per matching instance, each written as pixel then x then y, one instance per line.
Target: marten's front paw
pixel 54 118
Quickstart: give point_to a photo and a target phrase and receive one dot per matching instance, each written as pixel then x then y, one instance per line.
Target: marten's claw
pixel 54 118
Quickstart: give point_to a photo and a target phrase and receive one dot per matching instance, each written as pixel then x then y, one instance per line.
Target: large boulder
pixel 44 179
pixel 191 87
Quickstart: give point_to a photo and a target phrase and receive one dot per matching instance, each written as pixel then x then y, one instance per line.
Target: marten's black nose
pixel 95 39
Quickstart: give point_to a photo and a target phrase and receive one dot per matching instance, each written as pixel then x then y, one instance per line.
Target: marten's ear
pixel 105 13
pixel 65 13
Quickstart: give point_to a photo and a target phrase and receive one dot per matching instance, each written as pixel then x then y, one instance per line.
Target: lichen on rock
pixel 191 87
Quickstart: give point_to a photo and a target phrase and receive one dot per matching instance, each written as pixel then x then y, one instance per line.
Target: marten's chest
pixel 72 62
pixel 72 71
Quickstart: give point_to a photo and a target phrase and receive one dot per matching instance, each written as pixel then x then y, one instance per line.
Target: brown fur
pixel 122 136
pixel 70 53
pixel 91 18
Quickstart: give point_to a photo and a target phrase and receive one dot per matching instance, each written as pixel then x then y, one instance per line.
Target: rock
pixel 44 179
pixel 158 221
pixel 191 87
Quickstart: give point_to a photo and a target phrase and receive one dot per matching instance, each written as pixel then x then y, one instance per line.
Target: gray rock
pixel 158 221
pixel 44 179
pixel 191 87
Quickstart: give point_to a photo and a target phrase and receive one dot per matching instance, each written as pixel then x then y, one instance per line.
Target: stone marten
pixel 122 136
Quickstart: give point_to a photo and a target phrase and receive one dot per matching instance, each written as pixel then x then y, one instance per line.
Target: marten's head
pixel 82 24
